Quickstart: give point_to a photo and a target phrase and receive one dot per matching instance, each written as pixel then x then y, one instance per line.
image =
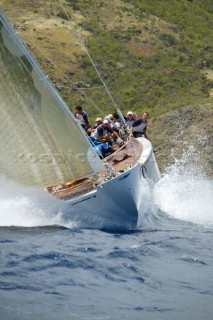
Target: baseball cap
pixel 129 112
pixel 98 119
pixel 105 121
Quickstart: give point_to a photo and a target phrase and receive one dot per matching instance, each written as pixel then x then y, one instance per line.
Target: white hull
pixel 116 203
pixel 40 152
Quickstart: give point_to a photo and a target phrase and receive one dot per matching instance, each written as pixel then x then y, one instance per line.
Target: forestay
pixel 41 141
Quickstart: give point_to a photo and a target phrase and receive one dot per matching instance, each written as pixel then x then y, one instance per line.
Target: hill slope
pixel 152 55
pixel 185 137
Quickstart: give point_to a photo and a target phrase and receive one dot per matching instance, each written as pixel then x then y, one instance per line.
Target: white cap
pixel 105 121
pixel 129 112
pixel 98 119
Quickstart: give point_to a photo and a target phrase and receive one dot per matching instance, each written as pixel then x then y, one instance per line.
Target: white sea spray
pixel 184 192
pixel 28 206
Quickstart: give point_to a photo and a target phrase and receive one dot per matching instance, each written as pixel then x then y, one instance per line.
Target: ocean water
pixel 54 268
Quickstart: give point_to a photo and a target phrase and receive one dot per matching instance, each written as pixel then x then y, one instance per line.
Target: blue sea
pixel 52 267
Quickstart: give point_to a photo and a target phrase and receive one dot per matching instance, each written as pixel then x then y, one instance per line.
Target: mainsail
pixel 41 141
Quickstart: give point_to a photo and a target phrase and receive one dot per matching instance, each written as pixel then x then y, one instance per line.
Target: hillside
pixel 185 137
pixel 152 55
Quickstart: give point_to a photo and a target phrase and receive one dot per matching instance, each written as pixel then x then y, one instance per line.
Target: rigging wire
pixel 57 68
pixel 90 58
pixel 93 64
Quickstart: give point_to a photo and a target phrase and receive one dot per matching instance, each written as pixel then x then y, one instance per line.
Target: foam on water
pixel 28 206
pixel 185 193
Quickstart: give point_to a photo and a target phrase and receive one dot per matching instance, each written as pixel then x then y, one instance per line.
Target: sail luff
pixel 43 77
pixel 44 145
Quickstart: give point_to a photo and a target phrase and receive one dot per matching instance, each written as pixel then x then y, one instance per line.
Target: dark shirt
pixel 83 118
pixel 94 127
pixel 139 125
pixel 129 122
pixel 101 130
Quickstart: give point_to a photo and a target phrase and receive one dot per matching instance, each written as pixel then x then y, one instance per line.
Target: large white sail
pixel 41 141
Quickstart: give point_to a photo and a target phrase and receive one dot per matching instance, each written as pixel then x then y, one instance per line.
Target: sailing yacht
pixel 43 144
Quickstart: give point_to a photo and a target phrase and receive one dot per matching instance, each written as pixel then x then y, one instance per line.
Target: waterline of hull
pixel 115 203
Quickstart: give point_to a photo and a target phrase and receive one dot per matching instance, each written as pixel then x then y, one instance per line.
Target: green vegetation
pixel 151 54
pixel 180 36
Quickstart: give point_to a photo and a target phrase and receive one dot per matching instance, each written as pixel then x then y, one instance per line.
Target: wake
pixel 185 193
pixel 28 206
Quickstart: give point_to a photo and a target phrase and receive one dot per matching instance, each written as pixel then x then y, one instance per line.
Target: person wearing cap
pixel 109 117
pixel 82 117
pixel 92 129
pixel 139 126
pixel 114 121
pixel 98 120
pixel 105 132
pixel 129 118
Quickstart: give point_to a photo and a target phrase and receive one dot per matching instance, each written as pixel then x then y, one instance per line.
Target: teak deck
pixel 120 161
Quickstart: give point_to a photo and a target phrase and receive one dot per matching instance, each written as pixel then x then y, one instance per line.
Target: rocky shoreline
pixel 187 130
